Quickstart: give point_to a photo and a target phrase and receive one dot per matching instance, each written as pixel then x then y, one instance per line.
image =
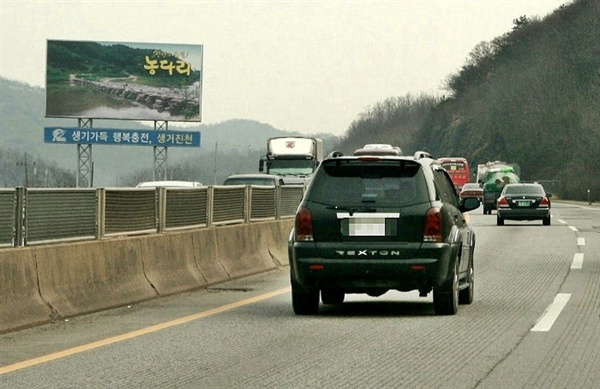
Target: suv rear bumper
pixel 431 269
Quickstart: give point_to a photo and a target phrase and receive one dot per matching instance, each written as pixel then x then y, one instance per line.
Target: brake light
pixel 432 232
pixel 545 202
pixel 303 229
pixel 502 202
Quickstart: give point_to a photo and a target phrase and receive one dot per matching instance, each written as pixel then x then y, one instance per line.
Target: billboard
pixel 109 136
pixel 124 81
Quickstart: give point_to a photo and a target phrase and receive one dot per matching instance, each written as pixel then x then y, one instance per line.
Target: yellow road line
pixel 140 332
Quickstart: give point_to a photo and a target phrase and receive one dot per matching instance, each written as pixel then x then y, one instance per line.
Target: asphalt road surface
pixel 534 323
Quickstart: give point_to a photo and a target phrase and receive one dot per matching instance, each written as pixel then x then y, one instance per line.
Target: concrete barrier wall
pixel 40 284
pixel 91 276
pixel 21 304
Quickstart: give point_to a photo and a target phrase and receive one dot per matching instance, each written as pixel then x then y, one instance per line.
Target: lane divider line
pixel 580 241
pixel 140 332
pixel 577 261
pixel 574 229
pixel 546 321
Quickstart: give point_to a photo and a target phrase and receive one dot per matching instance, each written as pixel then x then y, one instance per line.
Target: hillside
pixel 238 144
pixel 530 96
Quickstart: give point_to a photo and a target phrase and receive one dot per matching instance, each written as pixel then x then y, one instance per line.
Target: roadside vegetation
pixel 530 96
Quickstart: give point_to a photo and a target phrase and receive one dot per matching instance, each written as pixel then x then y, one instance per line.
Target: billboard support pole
pixel 160 154
pixel 84 157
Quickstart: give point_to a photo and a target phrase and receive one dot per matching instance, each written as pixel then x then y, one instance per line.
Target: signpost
pixel 123 81
pixel 110 136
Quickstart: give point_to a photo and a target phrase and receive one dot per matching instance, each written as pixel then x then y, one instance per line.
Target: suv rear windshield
pixel 357 182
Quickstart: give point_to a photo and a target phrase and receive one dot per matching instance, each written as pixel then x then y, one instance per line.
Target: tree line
pixel 530 96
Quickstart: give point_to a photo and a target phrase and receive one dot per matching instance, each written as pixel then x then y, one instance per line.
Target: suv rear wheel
pixel 445 298
pixel 304 301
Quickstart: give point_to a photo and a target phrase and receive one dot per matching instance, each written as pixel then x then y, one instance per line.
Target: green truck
pixel 492 177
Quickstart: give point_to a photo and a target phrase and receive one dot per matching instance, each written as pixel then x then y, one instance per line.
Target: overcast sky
pixel 307 66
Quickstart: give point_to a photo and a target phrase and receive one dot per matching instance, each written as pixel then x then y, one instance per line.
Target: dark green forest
pixel 530 96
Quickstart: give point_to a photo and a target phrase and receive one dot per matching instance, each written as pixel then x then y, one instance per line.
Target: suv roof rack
pixel 422 154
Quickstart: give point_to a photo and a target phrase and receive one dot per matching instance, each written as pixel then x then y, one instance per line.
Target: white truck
pixel 294 158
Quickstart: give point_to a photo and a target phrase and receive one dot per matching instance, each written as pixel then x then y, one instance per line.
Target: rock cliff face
pixel 174 101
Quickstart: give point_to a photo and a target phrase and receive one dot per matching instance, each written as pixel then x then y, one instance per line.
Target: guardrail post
pixel 19 235
pixel 161 209
pixel 247 203
pixel 278 202
pixel 210 199
pixel 100 213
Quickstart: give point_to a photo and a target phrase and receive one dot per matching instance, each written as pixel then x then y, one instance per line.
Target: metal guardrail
pixel 31 216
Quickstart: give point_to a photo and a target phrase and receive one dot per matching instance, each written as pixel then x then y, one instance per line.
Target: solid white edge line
pixel 577 261
pixel 546 321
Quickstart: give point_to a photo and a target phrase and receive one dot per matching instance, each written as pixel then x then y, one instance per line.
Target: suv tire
pixel 445 298
pixel 304 301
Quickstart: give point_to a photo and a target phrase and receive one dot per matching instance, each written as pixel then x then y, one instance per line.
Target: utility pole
pixel 25 166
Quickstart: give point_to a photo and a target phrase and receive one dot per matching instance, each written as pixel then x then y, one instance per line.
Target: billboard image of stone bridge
pixel 115 80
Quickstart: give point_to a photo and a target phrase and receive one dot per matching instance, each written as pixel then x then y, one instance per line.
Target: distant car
pixel 369 224
pixel 378 149
pixel 524 201
pixel 471 189
pixel 254 179
pixel 377 146
pixel 170 184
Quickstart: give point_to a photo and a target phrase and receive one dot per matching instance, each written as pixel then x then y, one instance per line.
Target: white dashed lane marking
pixel 577 261
pixel 546 321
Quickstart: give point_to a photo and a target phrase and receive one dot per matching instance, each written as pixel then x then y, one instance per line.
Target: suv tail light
pixel 432 232
pixel 502 202
pixel 303 229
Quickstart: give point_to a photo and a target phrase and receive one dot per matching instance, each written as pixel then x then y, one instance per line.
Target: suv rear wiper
pixel 352 210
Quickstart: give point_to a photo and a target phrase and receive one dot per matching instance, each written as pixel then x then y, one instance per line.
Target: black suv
pixel 368 224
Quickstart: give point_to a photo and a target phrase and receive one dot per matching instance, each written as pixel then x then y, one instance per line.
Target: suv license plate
pixel 366 227
pixel 369 224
